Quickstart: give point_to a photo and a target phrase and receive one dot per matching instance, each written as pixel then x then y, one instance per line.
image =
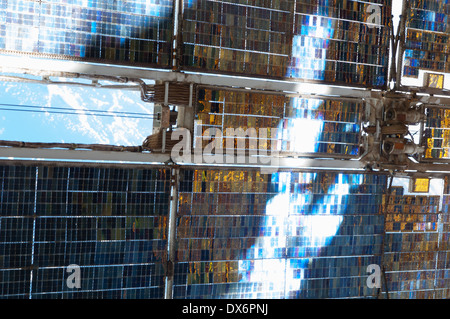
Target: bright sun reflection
pixel 309 50
pixel 318 227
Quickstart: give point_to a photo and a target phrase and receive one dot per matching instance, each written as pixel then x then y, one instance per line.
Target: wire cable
pixel 71 111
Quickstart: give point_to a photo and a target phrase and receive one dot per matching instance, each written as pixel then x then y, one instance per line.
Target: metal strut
pixel 171 245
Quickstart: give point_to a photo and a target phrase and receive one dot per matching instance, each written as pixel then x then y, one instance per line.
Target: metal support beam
pixel 39 66
pixel 206 161
pixel 58 157
pixel 171 242
pixel 94 156
pixel 22 153
pixel 191 94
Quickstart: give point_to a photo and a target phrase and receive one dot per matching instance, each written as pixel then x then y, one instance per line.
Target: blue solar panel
pixel 123 32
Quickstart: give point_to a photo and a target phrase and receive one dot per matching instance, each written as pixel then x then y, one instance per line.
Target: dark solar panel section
pixel 17 208
pixel 111 223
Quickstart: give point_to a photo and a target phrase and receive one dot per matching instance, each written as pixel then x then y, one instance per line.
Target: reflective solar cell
pixel 437 134
pixel 331 41
pixel 123 32
pixel 426 37
pixel 275 123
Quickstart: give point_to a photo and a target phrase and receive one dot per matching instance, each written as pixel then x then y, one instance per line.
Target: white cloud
pixel 76 98
pixel 78 128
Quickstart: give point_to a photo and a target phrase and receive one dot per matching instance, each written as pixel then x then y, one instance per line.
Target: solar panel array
pixel 112 223
pixel 331 41
pixel 414 243
pixel 426 37
pixel 121 32
pixel 287 125
pixel 436 133
pixel 286 235
pixel 239 234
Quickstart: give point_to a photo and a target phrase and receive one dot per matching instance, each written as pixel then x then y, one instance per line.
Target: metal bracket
pixel 169 269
